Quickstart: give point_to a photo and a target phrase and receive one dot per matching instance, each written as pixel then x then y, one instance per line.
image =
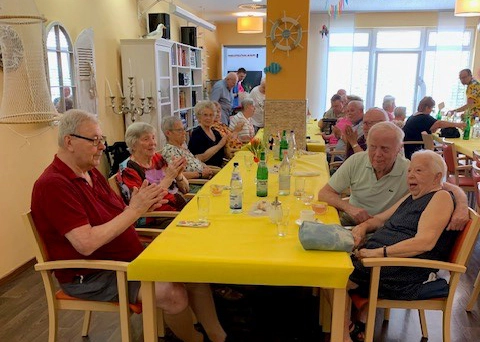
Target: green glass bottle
pixel 262 177
pixel 283 144
pixel 466 130
pixel 439 114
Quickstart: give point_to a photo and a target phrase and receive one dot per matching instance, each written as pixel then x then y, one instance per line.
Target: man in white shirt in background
pixel 258 96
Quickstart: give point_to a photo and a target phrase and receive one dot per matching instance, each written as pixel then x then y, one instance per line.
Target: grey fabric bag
pixel 325 237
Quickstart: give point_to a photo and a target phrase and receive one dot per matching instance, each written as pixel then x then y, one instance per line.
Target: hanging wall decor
pixel 335 7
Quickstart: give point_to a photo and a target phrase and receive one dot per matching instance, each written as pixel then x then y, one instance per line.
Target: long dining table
pixel 314 139
pixel 465 147
pixel 244 248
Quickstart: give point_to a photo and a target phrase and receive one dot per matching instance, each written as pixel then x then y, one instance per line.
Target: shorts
pixel 100 286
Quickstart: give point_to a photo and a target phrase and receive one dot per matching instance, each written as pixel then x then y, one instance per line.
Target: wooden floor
pixel 23 316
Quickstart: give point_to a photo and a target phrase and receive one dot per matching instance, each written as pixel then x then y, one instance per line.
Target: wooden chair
pixel 59 300
pixel 476 178
pixel 456 265
pixel 458 174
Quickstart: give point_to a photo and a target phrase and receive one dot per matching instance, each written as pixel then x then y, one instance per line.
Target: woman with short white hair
pixel 206 143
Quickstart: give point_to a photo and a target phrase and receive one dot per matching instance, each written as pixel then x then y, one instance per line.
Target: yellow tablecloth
pixel 242 249
pixel 314 144
pixel 465 147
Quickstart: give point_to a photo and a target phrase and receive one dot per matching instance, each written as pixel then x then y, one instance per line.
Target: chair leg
pixel 447 314
pixel 423 323
pixel 474 296
pixel 160 323
pixel 386 314
pixel 52 323
pixel 86 323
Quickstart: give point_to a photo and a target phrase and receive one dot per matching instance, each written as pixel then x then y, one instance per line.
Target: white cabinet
pixel 187 82
pixel 169 72
pixel 149 62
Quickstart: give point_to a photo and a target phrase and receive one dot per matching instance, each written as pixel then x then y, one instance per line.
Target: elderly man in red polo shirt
pixel 80 217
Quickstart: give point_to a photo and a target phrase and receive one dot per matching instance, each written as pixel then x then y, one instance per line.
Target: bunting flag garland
pixel 335 7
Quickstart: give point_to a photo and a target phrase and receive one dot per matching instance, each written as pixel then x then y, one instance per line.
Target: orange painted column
pixel 287 44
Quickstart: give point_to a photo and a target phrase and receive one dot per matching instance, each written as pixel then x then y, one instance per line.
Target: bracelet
pixel 384 251
pixel 356 145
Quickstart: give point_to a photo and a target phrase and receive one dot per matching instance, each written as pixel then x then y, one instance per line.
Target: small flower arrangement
pixel 256 147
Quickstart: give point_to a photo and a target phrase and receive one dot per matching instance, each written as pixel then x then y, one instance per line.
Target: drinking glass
pixel 282 222
pixel 299 187
pixel 248 161
pixel 203 203
pixel 307 197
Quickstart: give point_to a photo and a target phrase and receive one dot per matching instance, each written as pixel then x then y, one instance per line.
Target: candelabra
pixel 146 103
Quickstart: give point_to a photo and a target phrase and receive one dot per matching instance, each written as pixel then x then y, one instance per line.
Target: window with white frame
pixel 406 63
pixel 61 67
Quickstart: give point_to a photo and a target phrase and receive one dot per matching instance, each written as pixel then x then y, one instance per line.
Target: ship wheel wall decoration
pixel 286 33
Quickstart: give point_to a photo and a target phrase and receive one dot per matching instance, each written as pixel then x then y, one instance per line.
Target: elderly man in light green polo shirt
pixel 377 179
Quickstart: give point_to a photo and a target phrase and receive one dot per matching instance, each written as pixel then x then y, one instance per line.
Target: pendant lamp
pixel 467 8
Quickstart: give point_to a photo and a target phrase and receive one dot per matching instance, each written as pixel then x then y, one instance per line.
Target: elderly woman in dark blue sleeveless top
pixel 413 227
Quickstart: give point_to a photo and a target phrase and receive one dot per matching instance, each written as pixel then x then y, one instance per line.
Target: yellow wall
pixel 23 160
pixel 290 83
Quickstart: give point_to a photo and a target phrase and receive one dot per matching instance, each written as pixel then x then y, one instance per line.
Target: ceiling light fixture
pixel 249 24
pixel 191 18
pixel 467 8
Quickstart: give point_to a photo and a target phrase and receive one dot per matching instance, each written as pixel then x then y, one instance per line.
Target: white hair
pixel 436 163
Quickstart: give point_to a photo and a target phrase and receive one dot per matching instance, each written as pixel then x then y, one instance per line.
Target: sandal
pixel 357 331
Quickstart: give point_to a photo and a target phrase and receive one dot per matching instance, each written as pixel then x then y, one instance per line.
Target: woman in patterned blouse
pixel 173 130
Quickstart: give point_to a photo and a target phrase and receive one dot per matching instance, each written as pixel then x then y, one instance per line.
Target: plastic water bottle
pixel 284 176
pixel 292 145
pixel 236 191
pixel 262 177
pixel 476 129
pixel 283 144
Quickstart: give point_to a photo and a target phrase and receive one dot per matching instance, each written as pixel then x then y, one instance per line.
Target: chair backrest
pixel 39 245
pixel 427 141
pixel 450 156
pixel 112 181
pixel 476 181
pixel 476 155
pixel 463 247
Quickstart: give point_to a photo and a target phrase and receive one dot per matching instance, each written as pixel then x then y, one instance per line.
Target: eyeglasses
pixel 95 140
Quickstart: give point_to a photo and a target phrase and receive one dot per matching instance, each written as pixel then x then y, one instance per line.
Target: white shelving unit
pixel 172 75
pixel 187 82
pixel 149 59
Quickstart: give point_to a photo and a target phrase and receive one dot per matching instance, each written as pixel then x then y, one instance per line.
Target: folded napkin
pixel 325 237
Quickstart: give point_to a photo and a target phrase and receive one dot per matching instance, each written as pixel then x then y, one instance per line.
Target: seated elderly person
pixel 206 143
pixel 79 216
pixel 172 128
pixel 145 163
pixel 423 121
pixel 233 143
pixel 375 179
pixel 413 227
pixel 243 119
pixel 357 144
pixel 400 114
